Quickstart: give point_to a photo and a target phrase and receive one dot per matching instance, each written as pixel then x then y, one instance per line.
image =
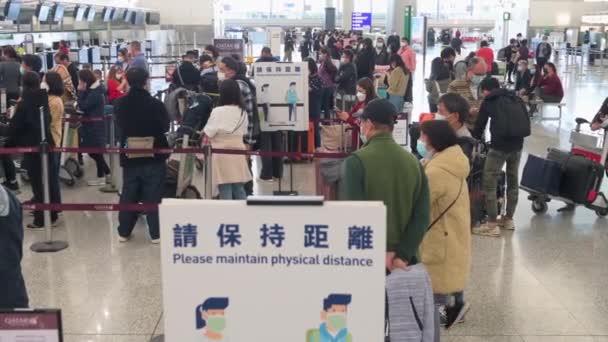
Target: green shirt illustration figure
pixel 291 97
pixel 210 317
pixel 333 327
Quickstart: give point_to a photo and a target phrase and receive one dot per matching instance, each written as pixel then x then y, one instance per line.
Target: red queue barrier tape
pixel 18 150
pixel 90 207
pixel 189 150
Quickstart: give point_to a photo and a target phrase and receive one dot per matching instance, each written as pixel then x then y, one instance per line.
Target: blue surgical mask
pixel 422 150
pixel 363 138
pixel 476 80
pixel 532 71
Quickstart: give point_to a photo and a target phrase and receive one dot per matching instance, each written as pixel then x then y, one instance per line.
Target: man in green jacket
pixel 384 171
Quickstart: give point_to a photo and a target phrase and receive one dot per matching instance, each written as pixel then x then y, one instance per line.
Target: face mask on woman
pixel 422 150
pixel 521 69
pixel 121 59
pixel 532 71
pixel 361 96
pixel 476 80
pixel 119 76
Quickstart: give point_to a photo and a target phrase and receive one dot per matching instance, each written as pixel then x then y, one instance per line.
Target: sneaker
pixel 456 315
pixel 13 186
pixel 155 241
pixel 486 230
pixel 266 180
pixel 123 238
pixel 443 316
pixel 97 182
pixel 507 224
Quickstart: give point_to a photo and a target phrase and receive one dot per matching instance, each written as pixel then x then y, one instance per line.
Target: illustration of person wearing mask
pixel 333 328
pixel 291 97
pixel 264 101
pixel 210 317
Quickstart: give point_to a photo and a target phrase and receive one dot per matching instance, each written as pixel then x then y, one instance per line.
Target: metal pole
pixel 49 245
pixel 208 153
pixel 111 179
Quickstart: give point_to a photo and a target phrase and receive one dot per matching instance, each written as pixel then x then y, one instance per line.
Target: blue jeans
pixel 141 184
pixel 232 191
pixel 397 101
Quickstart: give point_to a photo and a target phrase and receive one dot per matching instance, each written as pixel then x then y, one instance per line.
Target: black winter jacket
pixel 24 129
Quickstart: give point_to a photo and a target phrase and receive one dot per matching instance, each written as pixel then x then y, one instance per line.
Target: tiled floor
pixel 545 282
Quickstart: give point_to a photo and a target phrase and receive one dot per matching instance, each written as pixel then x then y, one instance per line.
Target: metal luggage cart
pixel 593 146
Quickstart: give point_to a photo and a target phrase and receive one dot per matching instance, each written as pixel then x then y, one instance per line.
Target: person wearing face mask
pixel 376 173
pixel 397 79
pixel 209 75
pixel 366 92
pixel 327 72
pixel 334 315
pixel 550 88
pixel 381 52
pixel 523 79
pixel 467 85
pixel 366 59
pixel 454 109
pixel 211 319
pixel 446 248
pixel 511 58
pixel 69 90
pixel 123 59
pixel 509 126
pixel 442 74
pixel 115 77
pixel 212 52
pixel 346 81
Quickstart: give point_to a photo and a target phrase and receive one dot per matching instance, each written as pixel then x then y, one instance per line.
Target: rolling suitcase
pixel 581 177
pixel 542 175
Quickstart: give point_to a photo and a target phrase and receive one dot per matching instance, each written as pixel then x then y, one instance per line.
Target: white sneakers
pixel 97 182
pixel 123 239
pixel 494 231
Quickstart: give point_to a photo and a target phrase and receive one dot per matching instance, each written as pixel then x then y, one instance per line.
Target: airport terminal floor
pixel 544 282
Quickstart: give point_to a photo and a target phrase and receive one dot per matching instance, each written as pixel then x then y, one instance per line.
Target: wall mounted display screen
pixel 89 14
pixel 153 18
pixel 58 11
pixel 107 14
pixel 42 12
pixel 140 18
pixel 128 16
pixel 79 13
pixel 12 10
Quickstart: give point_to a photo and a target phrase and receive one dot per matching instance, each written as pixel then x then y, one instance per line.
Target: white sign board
pixel 282 94
pixel 240 273
pixel 273 37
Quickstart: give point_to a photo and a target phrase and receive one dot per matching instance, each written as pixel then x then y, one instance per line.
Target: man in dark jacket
pixel 142 122
pixel 13 294
pixel 366 62
pixel 187 75
pixel 543 52
pixel 347 80
pixel 209 79
pixel 509 126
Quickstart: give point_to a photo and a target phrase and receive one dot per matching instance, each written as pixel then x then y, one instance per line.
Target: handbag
pixel 447 209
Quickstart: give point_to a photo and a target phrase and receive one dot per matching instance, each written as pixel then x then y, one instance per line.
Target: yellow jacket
pixel 397 82
pixel 446 248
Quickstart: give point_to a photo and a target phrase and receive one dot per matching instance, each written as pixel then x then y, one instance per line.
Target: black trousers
pixel 271 166
pixel 541 63
pixel 34 169
pixel 102 166
pixel 510 70
pixel 9 168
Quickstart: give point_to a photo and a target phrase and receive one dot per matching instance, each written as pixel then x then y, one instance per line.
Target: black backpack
pixel 510 118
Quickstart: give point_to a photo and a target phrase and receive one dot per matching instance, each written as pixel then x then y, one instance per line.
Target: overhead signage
pixel 230 47
pixel 361 20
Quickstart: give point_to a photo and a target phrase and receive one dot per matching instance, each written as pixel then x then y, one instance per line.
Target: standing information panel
pixel 242 272
pixel 228 47
pixel 30 326
pixel 282 90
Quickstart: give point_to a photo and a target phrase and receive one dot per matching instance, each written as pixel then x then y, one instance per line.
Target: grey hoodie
pixel 411 305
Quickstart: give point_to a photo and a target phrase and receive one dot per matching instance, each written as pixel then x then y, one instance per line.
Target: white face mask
pixel 361 96
pixel 343 61
pixel 121 59
pixel 119 76
pixel 221 76
pixel 520 69
pixel 44 86
pixel 441 117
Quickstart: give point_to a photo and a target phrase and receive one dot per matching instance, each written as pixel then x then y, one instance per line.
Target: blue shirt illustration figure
pixel 291 97
pixel 210 317
pixel 333 327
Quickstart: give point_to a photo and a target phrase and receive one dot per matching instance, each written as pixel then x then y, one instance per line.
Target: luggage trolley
pixel 70 169
pixel 180 173
pixel 593 146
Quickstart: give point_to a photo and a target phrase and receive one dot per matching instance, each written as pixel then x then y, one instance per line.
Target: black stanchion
pixel 49 245
pixel 291 192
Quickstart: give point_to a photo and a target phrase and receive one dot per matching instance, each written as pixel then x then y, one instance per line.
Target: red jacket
pixel 113 92
pixel 488 55
pixel 354 124
pixel 551 85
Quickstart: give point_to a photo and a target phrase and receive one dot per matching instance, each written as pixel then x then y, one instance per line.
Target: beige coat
pixel 446 248
pixel 56 108
pixel 225 129
pixel 397 82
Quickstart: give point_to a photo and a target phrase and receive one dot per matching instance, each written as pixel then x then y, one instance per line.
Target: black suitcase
pixel 581 177
pixel 542 175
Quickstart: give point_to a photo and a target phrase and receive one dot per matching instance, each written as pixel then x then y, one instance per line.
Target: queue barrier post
pixel 49 245
pixel 207 169
pixel 111 179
